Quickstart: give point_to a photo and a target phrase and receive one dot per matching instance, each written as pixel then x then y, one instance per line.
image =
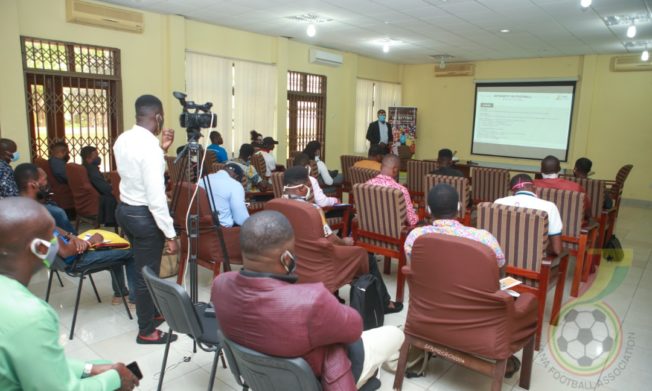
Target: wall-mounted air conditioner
pixel 629 63
pixel 91 14
pixel 325 58
pixel 455 69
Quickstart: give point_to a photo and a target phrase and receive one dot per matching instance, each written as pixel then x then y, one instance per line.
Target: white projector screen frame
pixel 533 143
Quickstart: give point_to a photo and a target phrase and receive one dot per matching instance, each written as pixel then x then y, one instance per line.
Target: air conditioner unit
pixel 325 58
pixel 629 63
pixel 82 12
pixel 455 69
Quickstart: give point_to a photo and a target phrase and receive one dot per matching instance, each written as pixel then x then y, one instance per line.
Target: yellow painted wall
pixel 611 123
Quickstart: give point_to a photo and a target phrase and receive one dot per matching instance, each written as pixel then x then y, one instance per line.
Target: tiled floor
pixel 622 292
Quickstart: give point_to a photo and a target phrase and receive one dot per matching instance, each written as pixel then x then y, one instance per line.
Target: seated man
pixel 8 154
pixel 228 195
pixel 295 187
pixel 445 164
pixel 216 146
pixel 312 325
pixel 376 154
pixel 388 173
pixel 31 181
pixel 582 169
pixel 524 197
pixel 31 357
pixel 550 168
pixel 108 203
pixel 266 151
pixel 302 160
pixel 59 156
pixel 244 161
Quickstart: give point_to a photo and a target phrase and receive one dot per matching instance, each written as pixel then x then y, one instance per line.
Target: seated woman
pixel 328 178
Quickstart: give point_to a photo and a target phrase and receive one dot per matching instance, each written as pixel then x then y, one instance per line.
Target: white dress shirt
pixel 383 132
pixel 526 199
pixel 270 163
pixel 141 165
pixel 320 198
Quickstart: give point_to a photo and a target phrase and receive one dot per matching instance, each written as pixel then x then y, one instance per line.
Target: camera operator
pixel 143 211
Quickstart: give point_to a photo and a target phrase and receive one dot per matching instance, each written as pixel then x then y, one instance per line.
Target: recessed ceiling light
pixel 311 30
pixel 585 3
pixel 386 48
pixel 631 31
pixel 645 55
pixel 504 30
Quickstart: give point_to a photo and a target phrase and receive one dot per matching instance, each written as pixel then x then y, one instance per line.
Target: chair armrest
pixel 590 226
pixel 553 260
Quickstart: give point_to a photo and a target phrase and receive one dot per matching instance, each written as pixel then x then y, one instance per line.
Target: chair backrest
pixel 174 170
pixel 380 210
pixel 571 208
pixel 347 161
pixel 489 184
pixel 314 170
pixel 621 176
pixel 455 298
pixel 277 184
pixel 595 189
pixel 258 161
pixel 361 175
pixel 62 193
pixel 460 184
pixel 521 232
pixel 289 162
pixel 263 372
pixel 173 302
pixel 416 171
pixel 115 184
pixel 87 199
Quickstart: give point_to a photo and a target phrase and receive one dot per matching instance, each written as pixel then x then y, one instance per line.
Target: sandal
pixel 515 365
pixel 398 307
pixel 160 338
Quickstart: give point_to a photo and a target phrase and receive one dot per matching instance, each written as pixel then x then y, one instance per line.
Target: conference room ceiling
pixel 417 29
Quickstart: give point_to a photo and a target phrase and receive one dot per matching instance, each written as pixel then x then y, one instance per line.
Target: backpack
pixel 367 300
pixel 613 250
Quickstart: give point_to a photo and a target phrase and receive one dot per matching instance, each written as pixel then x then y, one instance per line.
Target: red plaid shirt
pixel 387 181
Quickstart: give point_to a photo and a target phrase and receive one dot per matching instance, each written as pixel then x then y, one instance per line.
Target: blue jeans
pixel 60 218
pixel 99 257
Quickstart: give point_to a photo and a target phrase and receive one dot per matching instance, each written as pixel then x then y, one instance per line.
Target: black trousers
pixel 147 243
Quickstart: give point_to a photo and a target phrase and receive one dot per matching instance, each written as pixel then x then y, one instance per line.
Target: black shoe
pixel 161 338
pixel 398 307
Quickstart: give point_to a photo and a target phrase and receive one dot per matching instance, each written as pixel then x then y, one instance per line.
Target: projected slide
pixel 523 120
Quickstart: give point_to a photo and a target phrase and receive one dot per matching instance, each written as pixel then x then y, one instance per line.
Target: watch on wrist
pixel 171 239
pixel 88 368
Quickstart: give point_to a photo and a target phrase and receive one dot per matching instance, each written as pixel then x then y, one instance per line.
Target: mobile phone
pixel 133 367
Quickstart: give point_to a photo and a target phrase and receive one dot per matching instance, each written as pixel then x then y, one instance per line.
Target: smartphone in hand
pixel 133 367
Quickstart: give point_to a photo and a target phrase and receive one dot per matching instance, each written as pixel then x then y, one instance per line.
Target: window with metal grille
pixel 74 95
pixel 306 116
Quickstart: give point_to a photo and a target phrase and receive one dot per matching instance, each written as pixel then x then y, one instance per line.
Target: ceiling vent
pixel 82 12
pixel 325 58
pixel 455 69
pixel 629 64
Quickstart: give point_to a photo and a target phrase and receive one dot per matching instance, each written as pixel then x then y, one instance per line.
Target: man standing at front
pixel 380 132
pixel 143 211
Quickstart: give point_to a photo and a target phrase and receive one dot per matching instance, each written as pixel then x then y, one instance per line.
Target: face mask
pixel 381 118
pixel 96 161
pixel 297 197
pixel 292 265
pixel 316 158
pixel 66 157
pixel 308 169
pixel 550 176
pixel 43 193
pixel 49 257
pixel 15 156
pixel 159 122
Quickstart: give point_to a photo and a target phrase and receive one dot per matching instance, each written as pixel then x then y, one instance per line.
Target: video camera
pixel 194 121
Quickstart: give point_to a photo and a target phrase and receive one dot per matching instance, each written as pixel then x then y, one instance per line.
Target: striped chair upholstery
pixel 379 226
pixel 575 236
pixel 289 162
pixel 361 175
pixel 460 184
pixel 258 161
pixel 523 236
pixel 277 184
pixel 489 184
pixel 621 176
pixel 347 161
pixel 214 167
pixel 174 170
pixel 595 189
pixel 416 171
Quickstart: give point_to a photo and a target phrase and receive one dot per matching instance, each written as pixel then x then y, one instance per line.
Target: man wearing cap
pixel 226 195
pixel 266 150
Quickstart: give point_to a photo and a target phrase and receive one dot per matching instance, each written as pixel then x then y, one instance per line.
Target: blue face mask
pixel 97 161
pixel 15 156
pixel 381 118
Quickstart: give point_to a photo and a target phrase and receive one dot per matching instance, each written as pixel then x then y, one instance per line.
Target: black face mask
pixel 44 192
pixel 96 161
pixel 66 157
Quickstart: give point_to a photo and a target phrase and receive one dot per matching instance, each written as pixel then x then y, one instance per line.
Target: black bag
pixel 613 250
pixel 367 300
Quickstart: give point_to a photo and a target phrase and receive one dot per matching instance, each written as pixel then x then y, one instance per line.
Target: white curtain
pixel 255 101
pixel 372 96
pixel 209 79
pixel 364 99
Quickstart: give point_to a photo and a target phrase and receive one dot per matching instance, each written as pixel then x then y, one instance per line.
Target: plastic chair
pixel 173 302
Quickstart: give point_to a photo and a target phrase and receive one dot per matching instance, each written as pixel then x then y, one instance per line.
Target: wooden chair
pixel 380 225
pixel 489 184
pixel 358 176
pixel 616 194
pixel 86 198
pixel 523 236
pixel 174 170
pixel 347 161
pixel 577 237
pixel 258 161
pixel 114 178
pixel 460 184
pixel 62 193
pixel 458 312
pixel 416 171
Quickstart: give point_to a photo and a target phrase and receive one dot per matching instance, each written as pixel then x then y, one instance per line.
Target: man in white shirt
pixel 228 195
pixel 524 197
pixel 266 151
pixel 143 211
